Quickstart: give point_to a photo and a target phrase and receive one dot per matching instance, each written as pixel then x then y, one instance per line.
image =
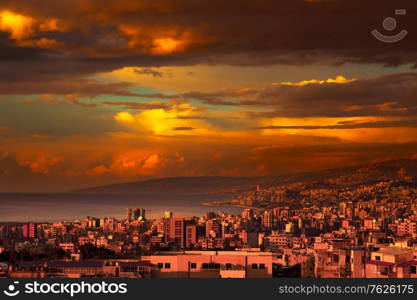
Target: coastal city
pixel 332 228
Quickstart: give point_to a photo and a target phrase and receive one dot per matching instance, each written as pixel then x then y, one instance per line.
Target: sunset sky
pixel 95 92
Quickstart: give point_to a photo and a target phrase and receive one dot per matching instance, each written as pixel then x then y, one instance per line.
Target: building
pixel 128 214
pixel 214 228
pixel 190 236
pixel 139 214
pixel 211 264
pixel 390 262
pixel 176 231
pixel 29 230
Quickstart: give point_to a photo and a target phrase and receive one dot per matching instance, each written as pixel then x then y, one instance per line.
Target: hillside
pixel 182 185
pixel 217 185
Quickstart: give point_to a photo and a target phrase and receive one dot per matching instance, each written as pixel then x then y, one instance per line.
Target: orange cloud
pixel 167 46
pixel 155 40
pixel 43 164
pixel 337 80
pixel 23 27
pixel 19 26
pixel 152 161
pixel 97 171
pixel 44 43
pixel 138 163
pixel 167 121
pixel 158 40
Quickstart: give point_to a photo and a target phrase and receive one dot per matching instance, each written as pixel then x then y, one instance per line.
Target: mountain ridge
pixel 383 170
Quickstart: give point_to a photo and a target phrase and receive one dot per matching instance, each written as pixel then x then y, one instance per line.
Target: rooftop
pixel 237 253
pixel 393 251
pixel 408 263
pixel 380 263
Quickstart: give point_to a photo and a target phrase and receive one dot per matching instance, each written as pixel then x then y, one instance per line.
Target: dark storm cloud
pixel 140 105
pixel 218 32
pixel 12 173
pixel 378 124
pixel 362 151
pixel 183 128
pixel 391 95
pixel 149 71
pixel 86 88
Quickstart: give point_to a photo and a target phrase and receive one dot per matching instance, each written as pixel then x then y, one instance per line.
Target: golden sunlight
pixel 338 80
pixel 166 45
pixel 19 26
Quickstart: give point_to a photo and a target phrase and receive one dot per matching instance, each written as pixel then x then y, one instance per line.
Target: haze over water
pixel 69 207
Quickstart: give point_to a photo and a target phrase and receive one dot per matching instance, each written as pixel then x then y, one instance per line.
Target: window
pixel 210 266
pixel 228 266
pixel 167 266
pixel 160 265
pixel 193 266
pixel 254 266
pixel 384 271
pixel 261 266
pixel 377 257
pixel 413 270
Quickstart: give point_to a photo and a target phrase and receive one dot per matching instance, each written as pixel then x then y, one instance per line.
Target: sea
pixel 53 207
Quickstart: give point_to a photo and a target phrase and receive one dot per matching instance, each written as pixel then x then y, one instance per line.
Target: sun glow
pixel 166 45
pixel 19 26
pixel 337 80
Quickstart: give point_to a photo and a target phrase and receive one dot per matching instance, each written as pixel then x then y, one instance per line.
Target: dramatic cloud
pixel 184 128
pixel 391 95
pixel 377 124
pixel 102 91
pixel 85 37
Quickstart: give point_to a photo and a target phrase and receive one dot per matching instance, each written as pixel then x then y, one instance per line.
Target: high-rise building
pixel 267 219
pixel 29 230
pixel 247 213
pixel 129 214
pixel 210 215
pixel 190 235
pixel 177 231
pixel 213 228
pixel 180 231
pixel 139 214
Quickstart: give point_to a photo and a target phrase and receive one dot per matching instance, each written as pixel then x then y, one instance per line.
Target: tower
pixel 128 214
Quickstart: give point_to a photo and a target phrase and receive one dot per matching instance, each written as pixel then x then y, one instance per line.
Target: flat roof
pixel 380 263
pixel 393 251
pixel 408 263
pixel 237 253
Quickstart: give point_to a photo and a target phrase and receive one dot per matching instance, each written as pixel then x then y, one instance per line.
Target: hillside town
pixel 328 229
